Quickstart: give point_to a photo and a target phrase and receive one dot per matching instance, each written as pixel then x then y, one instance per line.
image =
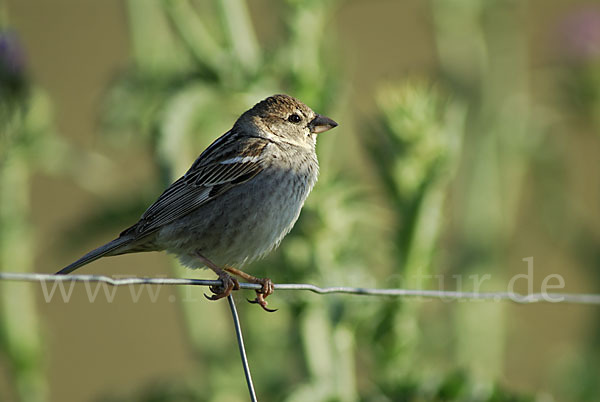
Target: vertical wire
pixel 240 340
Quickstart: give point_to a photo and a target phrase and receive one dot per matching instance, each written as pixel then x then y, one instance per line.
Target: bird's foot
pixel 228 284
pixel 266 290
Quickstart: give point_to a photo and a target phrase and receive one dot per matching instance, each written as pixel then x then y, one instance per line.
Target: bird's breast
pixel 247 221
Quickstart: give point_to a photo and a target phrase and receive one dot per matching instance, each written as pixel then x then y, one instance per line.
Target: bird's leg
pixel 266 290
pixel 229 283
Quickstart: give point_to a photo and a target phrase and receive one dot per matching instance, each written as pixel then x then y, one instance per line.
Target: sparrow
pixel 237 201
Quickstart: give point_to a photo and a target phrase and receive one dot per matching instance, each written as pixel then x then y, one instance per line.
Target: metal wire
pixel 575 298
pixel 240 340
pixel 429 294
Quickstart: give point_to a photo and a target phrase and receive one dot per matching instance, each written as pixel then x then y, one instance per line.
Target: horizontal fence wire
pixel 416 293
pixel 548 297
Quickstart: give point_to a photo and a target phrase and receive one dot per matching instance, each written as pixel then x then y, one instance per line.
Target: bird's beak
pixel 321 124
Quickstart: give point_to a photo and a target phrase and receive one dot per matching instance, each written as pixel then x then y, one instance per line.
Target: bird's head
pixel 283 118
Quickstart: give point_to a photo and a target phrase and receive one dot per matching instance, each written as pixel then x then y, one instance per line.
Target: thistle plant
pixel 504 131
pixel 195 67
pixel 416 151
pixel 28 145
pixel 23 119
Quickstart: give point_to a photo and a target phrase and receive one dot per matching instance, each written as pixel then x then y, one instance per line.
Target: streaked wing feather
pixel 212 174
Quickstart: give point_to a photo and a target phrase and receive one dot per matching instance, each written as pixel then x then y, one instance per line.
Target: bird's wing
pixel 228 162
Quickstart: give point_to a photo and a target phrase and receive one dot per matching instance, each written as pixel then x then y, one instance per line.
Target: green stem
pixel 20 333
pixel 192 30
pixel 240 34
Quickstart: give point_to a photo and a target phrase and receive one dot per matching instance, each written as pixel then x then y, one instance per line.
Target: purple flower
pixel 12 58
pixel 581 34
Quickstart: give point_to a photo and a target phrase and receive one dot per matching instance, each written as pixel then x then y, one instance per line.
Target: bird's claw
pixel 266 290
pixel 228 284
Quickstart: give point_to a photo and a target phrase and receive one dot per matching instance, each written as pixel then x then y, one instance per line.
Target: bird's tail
pixel 105 250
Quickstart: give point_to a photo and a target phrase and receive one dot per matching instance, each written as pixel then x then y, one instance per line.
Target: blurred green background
pixel 468 141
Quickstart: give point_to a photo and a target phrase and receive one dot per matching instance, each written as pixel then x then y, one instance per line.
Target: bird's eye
pixel 294 118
